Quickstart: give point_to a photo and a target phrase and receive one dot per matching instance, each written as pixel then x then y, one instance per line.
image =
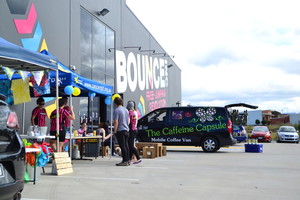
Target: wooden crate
pixel 149 152
pixel 158 150
pixel 104 150
pixel 61 164
pixel 164 150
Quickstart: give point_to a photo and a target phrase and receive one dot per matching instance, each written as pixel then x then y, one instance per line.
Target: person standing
pixel 121 121
pixel 38 115
pixel 67 122
pixel 133 117
pixel 63 114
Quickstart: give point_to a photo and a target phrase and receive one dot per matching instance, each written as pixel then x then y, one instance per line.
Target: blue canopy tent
pixel 68 77
pixel 20 59
pixel 86 85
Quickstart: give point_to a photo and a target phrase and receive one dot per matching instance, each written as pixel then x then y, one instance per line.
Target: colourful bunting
pixel 20 91
pixel 23 74
pixel 43 87
pixel 9 72
pixel 38 76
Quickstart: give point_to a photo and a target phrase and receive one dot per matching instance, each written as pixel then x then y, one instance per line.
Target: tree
pixel 264 122
pixel 257 122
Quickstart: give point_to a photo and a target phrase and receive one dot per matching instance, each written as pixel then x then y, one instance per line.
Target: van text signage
pixel 185 130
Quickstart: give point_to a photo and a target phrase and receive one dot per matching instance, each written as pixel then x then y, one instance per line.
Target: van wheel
pixel 210 144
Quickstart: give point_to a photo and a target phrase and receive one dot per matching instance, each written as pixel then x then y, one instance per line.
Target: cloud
pixel 235 83
pixel 230 51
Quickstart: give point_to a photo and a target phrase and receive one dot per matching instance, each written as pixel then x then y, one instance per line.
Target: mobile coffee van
pixel 208 127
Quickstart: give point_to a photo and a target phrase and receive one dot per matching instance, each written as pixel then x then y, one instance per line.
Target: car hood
pixel 287 133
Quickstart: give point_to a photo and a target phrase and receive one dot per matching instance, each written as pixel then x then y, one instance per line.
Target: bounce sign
pixel 146 74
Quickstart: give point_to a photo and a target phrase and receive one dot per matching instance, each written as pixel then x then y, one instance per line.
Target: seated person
pixel 102 130
pixel 83 130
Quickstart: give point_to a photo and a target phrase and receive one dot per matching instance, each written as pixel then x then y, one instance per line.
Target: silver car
pixel 287 134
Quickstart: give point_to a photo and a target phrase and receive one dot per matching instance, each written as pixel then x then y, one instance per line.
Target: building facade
pixel 112 47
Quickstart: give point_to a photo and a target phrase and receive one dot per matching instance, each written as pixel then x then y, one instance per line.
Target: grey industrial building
pixel 105 41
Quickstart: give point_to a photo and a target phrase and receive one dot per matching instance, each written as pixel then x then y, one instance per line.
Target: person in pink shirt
pixel 63 114
pixel 38 115
pixel 133 119
pixel 67 121
pixel 83 130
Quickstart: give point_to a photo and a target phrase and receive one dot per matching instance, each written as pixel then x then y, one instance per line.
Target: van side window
pixel 177 115
pixel 157 116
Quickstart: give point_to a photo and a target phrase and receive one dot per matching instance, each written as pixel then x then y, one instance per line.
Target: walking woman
pixel 121 121
pixel 133 118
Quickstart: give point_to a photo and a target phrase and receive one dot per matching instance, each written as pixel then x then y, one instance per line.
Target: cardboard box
pixel 149 152
pixel 254 148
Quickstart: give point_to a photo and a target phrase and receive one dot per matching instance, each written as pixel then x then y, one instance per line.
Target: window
pixel 157 116
pixel 97 46
pixel 177 115
pixel 97 49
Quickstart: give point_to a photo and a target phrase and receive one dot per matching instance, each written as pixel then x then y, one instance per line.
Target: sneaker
pixel 114 154
pixel 137 162
pixel 122 164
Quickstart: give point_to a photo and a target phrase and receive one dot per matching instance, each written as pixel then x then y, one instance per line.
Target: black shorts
pixel 62 135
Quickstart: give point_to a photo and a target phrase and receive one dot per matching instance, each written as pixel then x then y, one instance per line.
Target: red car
pixel 261 133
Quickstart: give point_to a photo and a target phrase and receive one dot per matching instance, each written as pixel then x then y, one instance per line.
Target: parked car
pixel 12 154
pixel 287 134
pixel 208 127
pixel 240 133
pixel 261 133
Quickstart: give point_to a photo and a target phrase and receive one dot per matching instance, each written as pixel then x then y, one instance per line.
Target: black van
pixel 208 127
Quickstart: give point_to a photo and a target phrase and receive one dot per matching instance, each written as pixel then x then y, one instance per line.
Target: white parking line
pixel 99 178
pixel 143 167
pixel 32 199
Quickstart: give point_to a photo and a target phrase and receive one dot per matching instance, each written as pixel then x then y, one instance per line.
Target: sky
pixel 230 51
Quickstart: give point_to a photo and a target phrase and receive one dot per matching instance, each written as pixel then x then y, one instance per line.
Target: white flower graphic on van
pixel 206 114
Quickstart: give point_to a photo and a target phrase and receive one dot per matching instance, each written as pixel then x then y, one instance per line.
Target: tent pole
pixel 57 114
pixel 71 131
pixel 23 119
pixel 111 128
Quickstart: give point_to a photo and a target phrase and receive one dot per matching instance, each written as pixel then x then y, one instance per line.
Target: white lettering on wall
pixel 121 75
pixel 132 71
pixel 140 70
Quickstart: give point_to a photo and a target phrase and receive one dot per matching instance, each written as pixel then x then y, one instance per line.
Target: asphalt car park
pixel 185 173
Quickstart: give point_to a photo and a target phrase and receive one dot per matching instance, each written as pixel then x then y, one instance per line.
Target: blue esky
pixel 230 51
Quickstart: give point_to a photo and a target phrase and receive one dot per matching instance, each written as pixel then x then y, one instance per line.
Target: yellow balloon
pixel 76 91
pixel 115 96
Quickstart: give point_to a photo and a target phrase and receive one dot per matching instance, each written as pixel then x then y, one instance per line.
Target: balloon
pixel 115 96
pixel 92 94
pixel 69 89
pixel 77 91
pixel 108 100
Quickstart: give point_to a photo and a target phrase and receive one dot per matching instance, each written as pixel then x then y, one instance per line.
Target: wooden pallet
pixel 61 164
